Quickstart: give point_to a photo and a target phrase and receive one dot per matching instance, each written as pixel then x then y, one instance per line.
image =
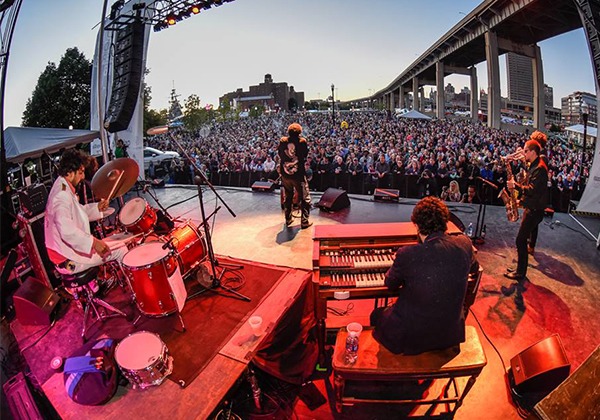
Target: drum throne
pixel 82 292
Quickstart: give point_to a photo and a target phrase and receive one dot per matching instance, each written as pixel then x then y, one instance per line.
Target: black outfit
pixel 293 151
pixel 431 279
pixel 534 193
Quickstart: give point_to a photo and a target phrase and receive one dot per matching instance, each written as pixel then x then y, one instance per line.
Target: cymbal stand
pixel 214 263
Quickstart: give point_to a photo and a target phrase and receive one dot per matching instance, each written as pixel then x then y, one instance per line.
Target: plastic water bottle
pixel 470 230
pixel 351 348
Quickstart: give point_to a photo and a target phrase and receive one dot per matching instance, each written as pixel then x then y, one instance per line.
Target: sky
pixel 359 46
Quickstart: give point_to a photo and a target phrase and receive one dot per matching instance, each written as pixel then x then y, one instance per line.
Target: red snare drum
pixel 189 245
pixel 137 216
pixel 150 268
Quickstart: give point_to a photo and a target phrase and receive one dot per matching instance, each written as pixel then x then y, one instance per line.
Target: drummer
pixel 71 247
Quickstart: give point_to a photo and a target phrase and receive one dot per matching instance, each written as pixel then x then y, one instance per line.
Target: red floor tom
pixel 189 245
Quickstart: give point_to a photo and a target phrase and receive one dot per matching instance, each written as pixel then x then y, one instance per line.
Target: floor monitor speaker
pixel 35 303
pixel 334 199
pixel 386 194
pixel 541 367
pixel 263 186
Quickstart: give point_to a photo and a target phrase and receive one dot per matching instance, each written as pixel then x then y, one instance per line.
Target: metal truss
pixel 160 13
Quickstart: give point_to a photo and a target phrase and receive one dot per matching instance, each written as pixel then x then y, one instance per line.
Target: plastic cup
pixel 354 327
pixel 256 324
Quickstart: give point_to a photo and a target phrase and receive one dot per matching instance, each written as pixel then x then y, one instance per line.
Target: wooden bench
pixel 437 370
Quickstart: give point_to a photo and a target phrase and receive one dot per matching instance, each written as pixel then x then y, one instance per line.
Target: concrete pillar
pixel 401 98
pixel 391 103
pixel 474 94
pixel 539 103
pixel 493 70
pixel 440 98
pixel 415 92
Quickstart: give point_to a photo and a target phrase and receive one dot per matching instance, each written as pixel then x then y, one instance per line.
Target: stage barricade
pixel 407 185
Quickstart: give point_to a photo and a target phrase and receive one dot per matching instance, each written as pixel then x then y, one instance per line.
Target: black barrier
pixel 408 185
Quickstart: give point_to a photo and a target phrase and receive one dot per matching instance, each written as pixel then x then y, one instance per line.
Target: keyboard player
pixel 431 280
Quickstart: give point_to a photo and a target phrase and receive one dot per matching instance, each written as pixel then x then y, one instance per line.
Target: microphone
pixel 169 244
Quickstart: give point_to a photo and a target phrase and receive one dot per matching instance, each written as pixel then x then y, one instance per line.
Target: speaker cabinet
pixel 386 194
pixel 263 186
pixel 334 199
pixel 541 367
pixel 127 76
pixel 35 303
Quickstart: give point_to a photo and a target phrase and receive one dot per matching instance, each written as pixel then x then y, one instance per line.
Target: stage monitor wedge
pixel 334 199
pixel 263 186
pixel 541 367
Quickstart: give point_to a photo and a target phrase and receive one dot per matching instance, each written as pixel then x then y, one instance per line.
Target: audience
pixel 375 151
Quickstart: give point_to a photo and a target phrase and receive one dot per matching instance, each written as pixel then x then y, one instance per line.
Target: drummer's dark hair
pixel 71 160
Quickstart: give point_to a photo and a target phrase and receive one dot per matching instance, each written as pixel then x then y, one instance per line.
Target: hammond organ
pixel 353 259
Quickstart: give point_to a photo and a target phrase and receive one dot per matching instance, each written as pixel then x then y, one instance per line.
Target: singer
pixel 71 246
pixel 293 151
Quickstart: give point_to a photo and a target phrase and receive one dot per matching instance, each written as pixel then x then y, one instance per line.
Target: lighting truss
pixel 159 13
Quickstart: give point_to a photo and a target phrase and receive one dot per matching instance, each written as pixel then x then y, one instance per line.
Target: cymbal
pixel 115 178
pixel 160 129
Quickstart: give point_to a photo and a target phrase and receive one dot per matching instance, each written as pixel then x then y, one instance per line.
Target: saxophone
pixel 509 197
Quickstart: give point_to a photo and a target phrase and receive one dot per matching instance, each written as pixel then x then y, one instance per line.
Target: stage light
pixel 171 19
pixel 195 9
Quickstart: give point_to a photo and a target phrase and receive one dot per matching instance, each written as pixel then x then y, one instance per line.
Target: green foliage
pixel 195 116
pixel 61 97
pixel 257 111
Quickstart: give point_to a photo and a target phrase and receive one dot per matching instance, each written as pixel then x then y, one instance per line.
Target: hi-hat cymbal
pixel 160 129
pixel 115 178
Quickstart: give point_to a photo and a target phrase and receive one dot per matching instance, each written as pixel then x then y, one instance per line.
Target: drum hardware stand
pixel 214 263
pixel 146 189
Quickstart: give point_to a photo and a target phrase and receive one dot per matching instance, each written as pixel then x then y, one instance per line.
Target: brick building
pixel 268 94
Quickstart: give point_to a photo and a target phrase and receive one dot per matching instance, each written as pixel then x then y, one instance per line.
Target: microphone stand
pixel 147 185
pixel 479 237
pixel 214 263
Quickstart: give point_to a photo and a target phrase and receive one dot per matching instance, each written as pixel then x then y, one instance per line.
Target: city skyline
pixel 358 47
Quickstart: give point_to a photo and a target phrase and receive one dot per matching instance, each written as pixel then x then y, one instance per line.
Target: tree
pixel 61 97
pixel 195 116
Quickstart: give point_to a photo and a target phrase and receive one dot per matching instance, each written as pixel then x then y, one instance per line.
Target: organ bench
pixel 447 374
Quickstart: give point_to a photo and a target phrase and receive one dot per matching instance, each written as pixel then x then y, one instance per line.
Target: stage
pixel 560 297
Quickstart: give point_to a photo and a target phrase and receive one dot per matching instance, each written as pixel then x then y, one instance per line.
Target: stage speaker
pixel 127 76
pixel 263 186
pixel 334 199
pixel 386 194
pixel 35 303
pixel 541 367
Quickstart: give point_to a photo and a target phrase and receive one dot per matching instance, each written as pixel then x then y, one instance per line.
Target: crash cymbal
pixel 115 178
pixel 160 129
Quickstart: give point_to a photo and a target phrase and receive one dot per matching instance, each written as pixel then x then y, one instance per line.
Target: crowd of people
pixel 418 157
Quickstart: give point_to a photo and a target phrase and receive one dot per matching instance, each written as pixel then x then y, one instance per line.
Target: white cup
pixel 354 327
pixel 256 323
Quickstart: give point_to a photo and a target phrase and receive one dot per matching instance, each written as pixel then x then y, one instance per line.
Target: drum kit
pixel 155 264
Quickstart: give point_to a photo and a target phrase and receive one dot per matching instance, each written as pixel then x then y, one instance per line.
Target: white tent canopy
pixel 30 142
pixel 415 115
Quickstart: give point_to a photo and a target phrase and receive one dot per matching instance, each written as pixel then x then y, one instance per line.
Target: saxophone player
pixel 534 196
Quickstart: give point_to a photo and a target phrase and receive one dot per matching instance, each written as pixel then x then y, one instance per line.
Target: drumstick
pixel 110 196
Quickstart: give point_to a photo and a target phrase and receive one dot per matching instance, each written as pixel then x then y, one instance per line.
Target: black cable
pixel 23 350
pixel 342 312
pixel 523 413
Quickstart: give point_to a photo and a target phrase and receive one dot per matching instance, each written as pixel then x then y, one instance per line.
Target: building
pixel 271 95
pixel 573 105
pixel 519 72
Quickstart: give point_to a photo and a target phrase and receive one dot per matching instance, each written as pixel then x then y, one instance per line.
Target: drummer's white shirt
pixel 67 228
